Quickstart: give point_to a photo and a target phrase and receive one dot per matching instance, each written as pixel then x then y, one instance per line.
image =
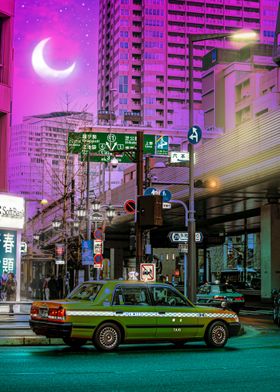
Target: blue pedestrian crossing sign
pixel 166 195
pixel 194 134
pixel 150 191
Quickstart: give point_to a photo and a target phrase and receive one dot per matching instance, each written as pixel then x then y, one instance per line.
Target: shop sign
pixel 12 211
pixel 8 251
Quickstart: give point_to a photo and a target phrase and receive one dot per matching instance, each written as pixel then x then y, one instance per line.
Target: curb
pixel 29 341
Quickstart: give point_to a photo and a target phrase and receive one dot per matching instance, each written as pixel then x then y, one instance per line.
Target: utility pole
pixel 139 187
pixel 88 216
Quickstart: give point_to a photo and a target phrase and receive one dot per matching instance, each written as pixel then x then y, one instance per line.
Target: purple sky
pixel 72 26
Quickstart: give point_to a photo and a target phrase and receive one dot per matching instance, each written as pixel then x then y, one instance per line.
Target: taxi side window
pixel 131 296
pixel 165 296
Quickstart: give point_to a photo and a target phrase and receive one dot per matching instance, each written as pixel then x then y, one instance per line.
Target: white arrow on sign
pixel 182 236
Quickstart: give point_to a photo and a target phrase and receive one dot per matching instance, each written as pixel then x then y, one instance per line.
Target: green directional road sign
pixel 101 146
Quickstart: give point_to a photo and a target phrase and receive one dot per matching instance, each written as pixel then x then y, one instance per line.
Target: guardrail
pixel 18 319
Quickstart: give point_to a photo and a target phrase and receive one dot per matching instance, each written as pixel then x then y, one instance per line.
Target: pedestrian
pixel 60 286
pixel 53 288
pixel 11 288
pixel 46 288
pixel 4 278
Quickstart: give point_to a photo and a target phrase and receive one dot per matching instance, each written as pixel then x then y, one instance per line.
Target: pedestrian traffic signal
pixel 149 211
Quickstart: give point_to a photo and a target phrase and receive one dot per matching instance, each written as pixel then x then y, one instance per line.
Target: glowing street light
pixel 240 35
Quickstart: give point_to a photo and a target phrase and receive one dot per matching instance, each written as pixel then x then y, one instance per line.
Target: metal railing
pixel 15 320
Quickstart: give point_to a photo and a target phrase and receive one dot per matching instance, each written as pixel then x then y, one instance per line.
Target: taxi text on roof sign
pixel 101 146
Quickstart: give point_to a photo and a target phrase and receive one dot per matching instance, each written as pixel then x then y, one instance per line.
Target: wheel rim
pixel 218 334
pixel 108 337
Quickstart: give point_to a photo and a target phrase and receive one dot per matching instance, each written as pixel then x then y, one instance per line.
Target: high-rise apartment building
pixel 143 54
pixel 6 69
pixel 40 167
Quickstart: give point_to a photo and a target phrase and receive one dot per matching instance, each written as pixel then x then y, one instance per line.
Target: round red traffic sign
pixel 98 234
pixel 98 258
pixel 129 206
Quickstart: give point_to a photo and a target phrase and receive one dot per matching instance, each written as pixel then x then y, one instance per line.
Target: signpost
pixel 148 272
pixel 87 252
pixel 166 195
pixel 150 191
pixel 97 217
pixel 98 259
pixel 98 234
pixel 104 145
pixel 98 246
pixel 194 134
pixel 129 206
pixel 182 236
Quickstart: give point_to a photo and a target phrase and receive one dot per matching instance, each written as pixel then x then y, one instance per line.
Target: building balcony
pixel 215 11
pixel 176 50
pixel 176 18
pixel 197 10
pixel 176 7
pixel 106 115
pixel 250 4
pixel 234 23
pixel 236 13
pixel 132 116
pixel 176 95
pixel 214 22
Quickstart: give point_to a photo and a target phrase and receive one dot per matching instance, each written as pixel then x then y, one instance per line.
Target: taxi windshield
pixel 87 291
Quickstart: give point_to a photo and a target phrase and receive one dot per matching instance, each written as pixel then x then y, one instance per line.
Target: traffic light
pixel 149 211
pixel 210 183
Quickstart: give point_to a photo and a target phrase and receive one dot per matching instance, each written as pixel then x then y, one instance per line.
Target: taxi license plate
pixel 43 312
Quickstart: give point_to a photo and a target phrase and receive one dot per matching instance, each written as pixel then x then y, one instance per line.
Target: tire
pixel 216 335
pixel 74 342
pixel 107 337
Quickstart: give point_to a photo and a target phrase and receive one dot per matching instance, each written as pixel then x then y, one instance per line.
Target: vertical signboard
pixel 87 252
pixel 8 251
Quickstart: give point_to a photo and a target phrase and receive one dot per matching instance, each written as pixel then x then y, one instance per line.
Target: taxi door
pixel 176 318
pixel 134 310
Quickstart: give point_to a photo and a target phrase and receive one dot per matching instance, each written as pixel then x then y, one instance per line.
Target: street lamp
pixel 242 35
pixel 110 212
pixel 96 205
pixel 56 223
pixel 81 212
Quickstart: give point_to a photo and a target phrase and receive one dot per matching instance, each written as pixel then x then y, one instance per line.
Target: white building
pixel 40 167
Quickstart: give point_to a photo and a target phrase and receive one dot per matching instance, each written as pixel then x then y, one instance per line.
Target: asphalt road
pixel 248 363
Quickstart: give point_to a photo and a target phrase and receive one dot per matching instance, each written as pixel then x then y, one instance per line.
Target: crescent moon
pixel 42 68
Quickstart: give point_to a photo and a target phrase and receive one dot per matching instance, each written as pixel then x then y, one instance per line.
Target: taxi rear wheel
pixel 107 337
pixel 216 335
pixel 75 343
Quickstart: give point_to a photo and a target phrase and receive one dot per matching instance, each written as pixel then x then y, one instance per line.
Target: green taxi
pixel 109 313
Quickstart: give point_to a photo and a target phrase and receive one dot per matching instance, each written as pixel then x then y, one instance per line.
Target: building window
pixel 123 84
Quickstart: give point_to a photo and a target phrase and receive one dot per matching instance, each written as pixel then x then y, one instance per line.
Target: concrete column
pixel 270 249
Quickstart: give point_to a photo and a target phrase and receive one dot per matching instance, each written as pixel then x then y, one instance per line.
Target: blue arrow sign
pixel 166 195
pixel 194 134
pixel 150 191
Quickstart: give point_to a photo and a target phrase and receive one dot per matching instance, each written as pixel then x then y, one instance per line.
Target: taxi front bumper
pixel 51 329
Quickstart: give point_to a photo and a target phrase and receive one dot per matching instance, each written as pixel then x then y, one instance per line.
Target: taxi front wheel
pixel 107 337
pixel 216 335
